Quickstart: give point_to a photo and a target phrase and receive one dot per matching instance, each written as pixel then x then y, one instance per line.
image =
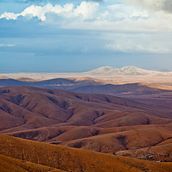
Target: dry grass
pixel 8 164
pixel 73 160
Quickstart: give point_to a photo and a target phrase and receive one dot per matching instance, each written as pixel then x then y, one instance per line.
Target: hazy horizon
pixel 86 70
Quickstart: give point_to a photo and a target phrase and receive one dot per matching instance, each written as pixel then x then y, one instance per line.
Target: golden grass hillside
pixel 74 160
pixel 8 164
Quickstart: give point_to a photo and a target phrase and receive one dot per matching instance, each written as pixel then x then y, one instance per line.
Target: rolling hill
pixel 98 122
pixel 86 86
pixel 8 164
pixel 32 156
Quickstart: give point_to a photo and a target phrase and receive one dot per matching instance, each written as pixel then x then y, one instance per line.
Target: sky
pixel 79 35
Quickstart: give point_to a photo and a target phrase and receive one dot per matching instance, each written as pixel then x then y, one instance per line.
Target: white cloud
pixel 92 15
pixel 165 5
pixel 137 47
pixel 8 16
pixel 139 43
pixel 85 10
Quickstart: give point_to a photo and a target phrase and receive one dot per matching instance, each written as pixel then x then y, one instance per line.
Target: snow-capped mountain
pixel 127 70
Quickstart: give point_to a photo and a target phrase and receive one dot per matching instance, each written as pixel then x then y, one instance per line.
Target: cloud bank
pixel 165 5
pixel 102 16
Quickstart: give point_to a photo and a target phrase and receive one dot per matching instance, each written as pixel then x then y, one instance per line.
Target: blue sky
pixel 68 35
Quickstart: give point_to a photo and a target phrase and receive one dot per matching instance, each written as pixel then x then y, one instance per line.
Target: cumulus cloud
pixel 85 10
pixel 107 16
pixel 8 16
pixel 165 5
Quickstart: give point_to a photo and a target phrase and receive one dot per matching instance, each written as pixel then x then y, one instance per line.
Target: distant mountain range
pixel 103 75
pixel 108 71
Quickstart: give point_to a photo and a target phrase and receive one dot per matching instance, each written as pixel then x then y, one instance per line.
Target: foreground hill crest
pixel 36 157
